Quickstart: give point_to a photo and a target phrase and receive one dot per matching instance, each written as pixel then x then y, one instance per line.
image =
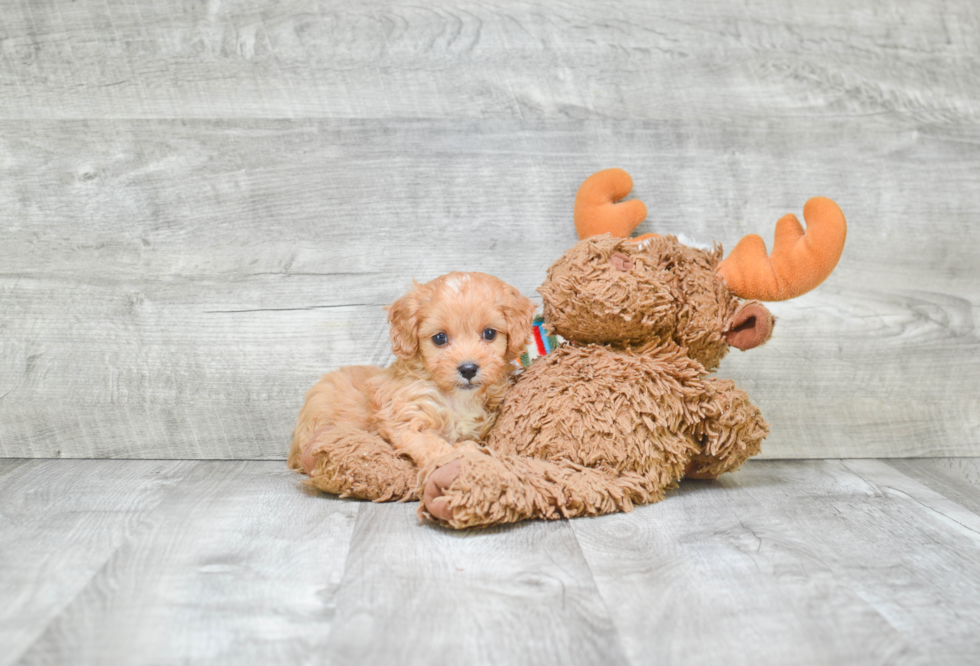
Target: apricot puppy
pixel 368 432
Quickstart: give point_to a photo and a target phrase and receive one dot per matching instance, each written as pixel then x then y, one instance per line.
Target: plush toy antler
pixel 800 260
pixel 597 210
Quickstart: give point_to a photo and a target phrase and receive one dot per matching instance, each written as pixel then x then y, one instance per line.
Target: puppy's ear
pixel 403 315
pixel 519 315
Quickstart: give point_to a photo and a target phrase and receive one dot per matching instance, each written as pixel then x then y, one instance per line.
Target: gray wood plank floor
pixel 221 562
pixel 203 206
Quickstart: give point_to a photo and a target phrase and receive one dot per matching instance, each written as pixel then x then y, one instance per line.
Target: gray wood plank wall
pixel 203 206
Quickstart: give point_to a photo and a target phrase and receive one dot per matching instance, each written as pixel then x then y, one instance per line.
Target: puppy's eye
pixel 439 339
pixel 489 334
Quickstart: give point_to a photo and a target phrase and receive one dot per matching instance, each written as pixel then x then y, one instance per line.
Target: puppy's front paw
pixel 434 495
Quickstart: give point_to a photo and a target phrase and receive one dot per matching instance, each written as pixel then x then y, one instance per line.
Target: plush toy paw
pixel 350 462
pixel 307 461
pixel 471 487
pixel 699 472
pixel 434 495
pixel 308 451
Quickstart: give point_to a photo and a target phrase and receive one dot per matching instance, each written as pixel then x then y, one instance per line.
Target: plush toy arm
pixel 731 432
pixel 351 462
pixel 476 488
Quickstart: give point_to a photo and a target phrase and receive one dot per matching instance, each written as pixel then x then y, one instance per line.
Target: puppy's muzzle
pixel 468 371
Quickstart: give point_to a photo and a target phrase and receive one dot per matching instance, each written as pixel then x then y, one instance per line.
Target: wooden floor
pixel 220 562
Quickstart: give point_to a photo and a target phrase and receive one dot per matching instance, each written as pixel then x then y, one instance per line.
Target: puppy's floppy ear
pixel 519 315
pixel 403 315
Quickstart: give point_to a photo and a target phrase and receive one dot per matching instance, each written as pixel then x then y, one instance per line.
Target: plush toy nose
pixel 621 262
pixel 468 370
pixel 750 326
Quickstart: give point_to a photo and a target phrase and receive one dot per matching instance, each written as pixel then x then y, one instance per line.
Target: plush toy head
pixel 611 289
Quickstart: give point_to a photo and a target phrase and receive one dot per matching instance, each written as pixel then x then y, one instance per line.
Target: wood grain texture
pixel 815 562
pixel 237 564
pixel 501 596
pixel 205 205
pixel 226 562
pixel 198 301
pixel 502 59
pixel 60 522
pixel 955 478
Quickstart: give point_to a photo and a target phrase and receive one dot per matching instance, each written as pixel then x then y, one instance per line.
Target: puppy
pixel 456 339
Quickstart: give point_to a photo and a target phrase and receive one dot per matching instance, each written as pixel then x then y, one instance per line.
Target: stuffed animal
pixel 627 406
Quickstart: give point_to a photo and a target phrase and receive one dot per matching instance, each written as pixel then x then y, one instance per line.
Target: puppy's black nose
pixel 468 370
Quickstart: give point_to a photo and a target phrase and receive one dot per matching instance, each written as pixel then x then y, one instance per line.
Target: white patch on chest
pixel 463 414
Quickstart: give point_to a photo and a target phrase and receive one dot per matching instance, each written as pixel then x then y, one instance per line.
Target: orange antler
pixel 799 262
pixel 596 208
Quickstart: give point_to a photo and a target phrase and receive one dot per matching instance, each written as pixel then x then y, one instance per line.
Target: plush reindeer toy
pixel 626 407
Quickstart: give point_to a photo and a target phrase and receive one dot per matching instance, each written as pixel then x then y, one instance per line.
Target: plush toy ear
pixel 403 315
pixel 519 314
pixel 750 326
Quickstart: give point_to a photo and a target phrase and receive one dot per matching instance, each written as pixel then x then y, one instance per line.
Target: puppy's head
pixel 465 328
